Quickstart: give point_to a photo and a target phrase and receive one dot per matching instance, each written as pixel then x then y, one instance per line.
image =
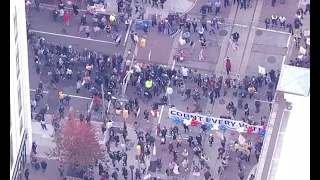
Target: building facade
pixel 20 112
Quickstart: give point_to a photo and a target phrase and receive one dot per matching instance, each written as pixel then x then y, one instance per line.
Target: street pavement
pixel 44 139
pixel 257 47
pixel 288 10
pixel 43 24
pixel 167 158
pixel 80 105
pixel 160 46
pixel 294 52
pixel 180 6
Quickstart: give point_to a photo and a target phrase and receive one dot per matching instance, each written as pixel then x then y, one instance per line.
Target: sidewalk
pixel 180 6
pixel 44 139
pixel 241 55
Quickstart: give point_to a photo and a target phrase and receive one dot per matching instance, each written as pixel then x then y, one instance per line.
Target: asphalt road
pixel 160 46
pixel 44 26
pixel 43 21
pixel 163 152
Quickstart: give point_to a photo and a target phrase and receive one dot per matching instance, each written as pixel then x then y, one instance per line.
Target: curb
pixel 51 7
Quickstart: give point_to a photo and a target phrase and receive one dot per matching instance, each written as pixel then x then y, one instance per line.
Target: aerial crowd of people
pixel 153 83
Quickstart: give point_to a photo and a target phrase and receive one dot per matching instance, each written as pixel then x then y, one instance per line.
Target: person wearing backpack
pixel 44 166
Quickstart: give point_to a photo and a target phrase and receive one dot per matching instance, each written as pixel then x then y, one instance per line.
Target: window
pixel 11 152
pixel 19 99
pixel 15 21
pixel 18 62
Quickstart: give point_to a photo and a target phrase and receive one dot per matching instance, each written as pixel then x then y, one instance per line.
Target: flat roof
pixel 294 80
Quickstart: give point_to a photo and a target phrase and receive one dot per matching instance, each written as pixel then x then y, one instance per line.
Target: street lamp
pixel 131 169
pixel 138 151
pixel 103 105
pixel 125 81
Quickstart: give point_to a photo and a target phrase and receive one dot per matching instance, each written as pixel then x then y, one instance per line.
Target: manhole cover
pixel 271 59
pixel 223 32
pixel 259 32
pixel 222 101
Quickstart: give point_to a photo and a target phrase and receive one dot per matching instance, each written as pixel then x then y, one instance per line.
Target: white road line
pixel 73 37
pixel 271 30
pixel 74 96
pixel 162 108
pixel 240 25
pixel 283 60
pixel 288 42
pixel 127 33
pixel 33 90
pixel 262 29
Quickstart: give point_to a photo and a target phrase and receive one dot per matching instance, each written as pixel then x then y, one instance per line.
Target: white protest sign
pixel 308 41
pixel 306 32
pixel 300 57
pixel 182 41
pixel 241 139
pixel 302 50
pixel 261 70
pixel 220 135
pixel 229 124
pixel 234 46
pixel 154 152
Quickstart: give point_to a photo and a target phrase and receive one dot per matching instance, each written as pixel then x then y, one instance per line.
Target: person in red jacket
pixel 228 64
pixel 66 18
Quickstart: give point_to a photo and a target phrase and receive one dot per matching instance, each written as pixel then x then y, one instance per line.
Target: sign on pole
pixel 125 114
pixel 261 70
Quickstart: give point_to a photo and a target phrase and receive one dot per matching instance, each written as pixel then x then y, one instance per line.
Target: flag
pixel 149 56
pixel 154 152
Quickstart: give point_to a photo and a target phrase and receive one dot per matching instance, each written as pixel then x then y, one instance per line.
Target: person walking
pixel 66 18
pixel 217 4
pixel 88 30
pixel 26 174
pixel 61 170
pixel 44 166
pixel 228 65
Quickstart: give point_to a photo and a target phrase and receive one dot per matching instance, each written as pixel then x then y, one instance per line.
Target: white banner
pixel 262 70
pixel 230 124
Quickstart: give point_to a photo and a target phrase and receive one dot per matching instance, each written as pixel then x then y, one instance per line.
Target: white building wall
pixel 19 82
pixel 294 162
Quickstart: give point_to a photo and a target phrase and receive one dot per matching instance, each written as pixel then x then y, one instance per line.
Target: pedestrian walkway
pixel 241 55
